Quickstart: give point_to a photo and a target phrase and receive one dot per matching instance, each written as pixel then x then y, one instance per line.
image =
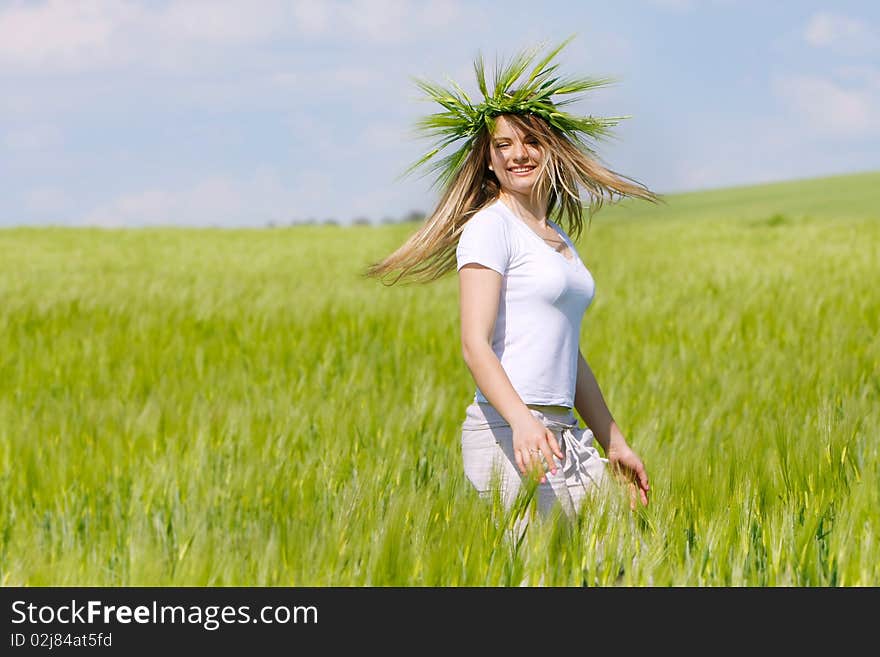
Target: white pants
pixel 489 461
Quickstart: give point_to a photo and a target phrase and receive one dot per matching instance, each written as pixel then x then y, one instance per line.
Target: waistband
pixel 480 414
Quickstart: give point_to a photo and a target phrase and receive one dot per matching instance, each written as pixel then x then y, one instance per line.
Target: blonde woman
pixel 523 288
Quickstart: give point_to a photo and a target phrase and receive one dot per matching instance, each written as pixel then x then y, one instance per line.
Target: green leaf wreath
pixel 513 92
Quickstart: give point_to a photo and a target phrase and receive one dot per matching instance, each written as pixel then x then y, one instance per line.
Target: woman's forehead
pixel 506 129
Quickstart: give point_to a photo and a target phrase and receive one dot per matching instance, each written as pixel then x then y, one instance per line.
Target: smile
pixel 521 170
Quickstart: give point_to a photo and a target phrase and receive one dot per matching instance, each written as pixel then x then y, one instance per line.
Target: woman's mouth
pixel 521 171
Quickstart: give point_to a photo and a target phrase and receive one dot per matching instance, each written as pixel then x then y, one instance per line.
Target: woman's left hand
pixel 626 463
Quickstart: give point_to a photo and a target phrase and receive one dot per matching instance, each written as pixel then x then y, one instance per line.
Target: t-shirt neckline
pixel 575 258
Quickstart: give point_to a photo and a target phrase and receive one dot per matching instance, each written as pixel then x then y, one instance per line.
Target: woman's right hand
pixel 480 294
pixel 534 447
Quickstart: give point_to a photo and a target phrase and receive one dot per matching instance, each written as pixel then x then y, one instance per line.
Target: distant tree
pixel 331 222
pixel 361 221
pixel 388 220
pixel 415 215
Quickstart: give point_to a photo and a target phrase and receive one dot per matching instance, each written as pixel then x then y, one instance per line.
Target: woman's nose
pixel 519 152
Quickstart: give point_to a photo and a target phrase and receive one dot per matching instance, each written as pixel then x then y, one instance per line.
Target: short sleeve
pixel 484 241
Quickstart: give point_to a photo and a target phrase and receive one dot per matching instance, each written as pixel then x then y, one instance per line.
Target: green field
pixel 239 407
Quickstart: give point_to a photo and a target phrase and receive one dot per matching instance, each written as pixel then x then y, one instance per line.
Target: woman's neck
pixel 526 207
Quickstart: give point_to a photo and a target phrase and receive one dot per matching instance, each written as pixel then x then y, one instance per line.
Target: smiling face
pixel 515 157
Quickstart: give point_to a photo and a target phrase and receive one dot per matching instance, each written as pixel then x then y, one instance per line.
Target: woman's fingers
pixel 642 479
pixel 640 482
pixel 549 463
pixel 638 485
pixel 534 460
pixel 554 445
pixel 548 448
pixel 539 454
pixel 536 465
pixel 636 492
pixel 520 461
pixel 526 459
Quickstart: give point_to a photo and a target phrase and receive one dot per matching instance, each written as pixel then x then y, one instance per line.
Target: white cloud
pixel 687 5
pixel 830 109
pixel 65 36
pixel 32 138
pixel 678 5
pixel 222 21
pixel 380 134
pixel 841 34
pixel 48 201
pixel 276 89
pixel 865 75
pixel 390 21
pixel 216 201
pixel 752 151
pixel 378 21
pixel 313 17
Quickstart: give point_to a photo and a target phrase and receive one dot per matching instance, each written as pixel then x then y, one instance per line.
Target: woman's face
pixel 514 156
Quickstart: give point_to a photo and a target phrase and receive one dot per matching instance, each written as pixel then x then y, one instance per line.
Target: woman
pixel 523 289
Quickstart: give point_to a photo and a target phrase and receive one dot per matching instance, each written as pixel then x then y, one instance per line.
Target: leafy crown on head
pixel 514 92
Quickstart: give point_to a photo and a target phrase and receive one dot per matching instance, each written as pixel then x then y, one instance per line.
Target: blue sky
pixel 241 113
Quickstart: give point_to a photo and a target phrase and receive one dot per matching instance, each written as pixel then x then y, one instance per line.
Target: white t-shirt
pixel 543 299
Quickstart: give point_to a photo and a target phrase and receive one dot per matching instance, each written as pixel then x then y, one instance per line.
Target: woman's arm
pixel 479 295
pixel 590 403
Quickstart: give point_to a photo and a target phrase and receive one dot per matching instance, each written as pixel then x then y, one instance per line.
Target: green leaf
pixel 539 94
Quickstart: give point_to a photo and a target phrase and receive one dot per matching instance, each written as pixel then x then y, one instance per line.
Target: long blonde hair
pixel 429 253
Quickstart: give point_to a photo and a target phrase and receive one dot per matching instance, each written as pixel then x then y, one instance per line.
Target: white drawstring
pixel 582 466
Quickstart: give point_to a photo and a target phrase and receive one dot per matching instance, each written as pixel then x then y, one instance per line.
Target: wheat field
pixel 224 407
